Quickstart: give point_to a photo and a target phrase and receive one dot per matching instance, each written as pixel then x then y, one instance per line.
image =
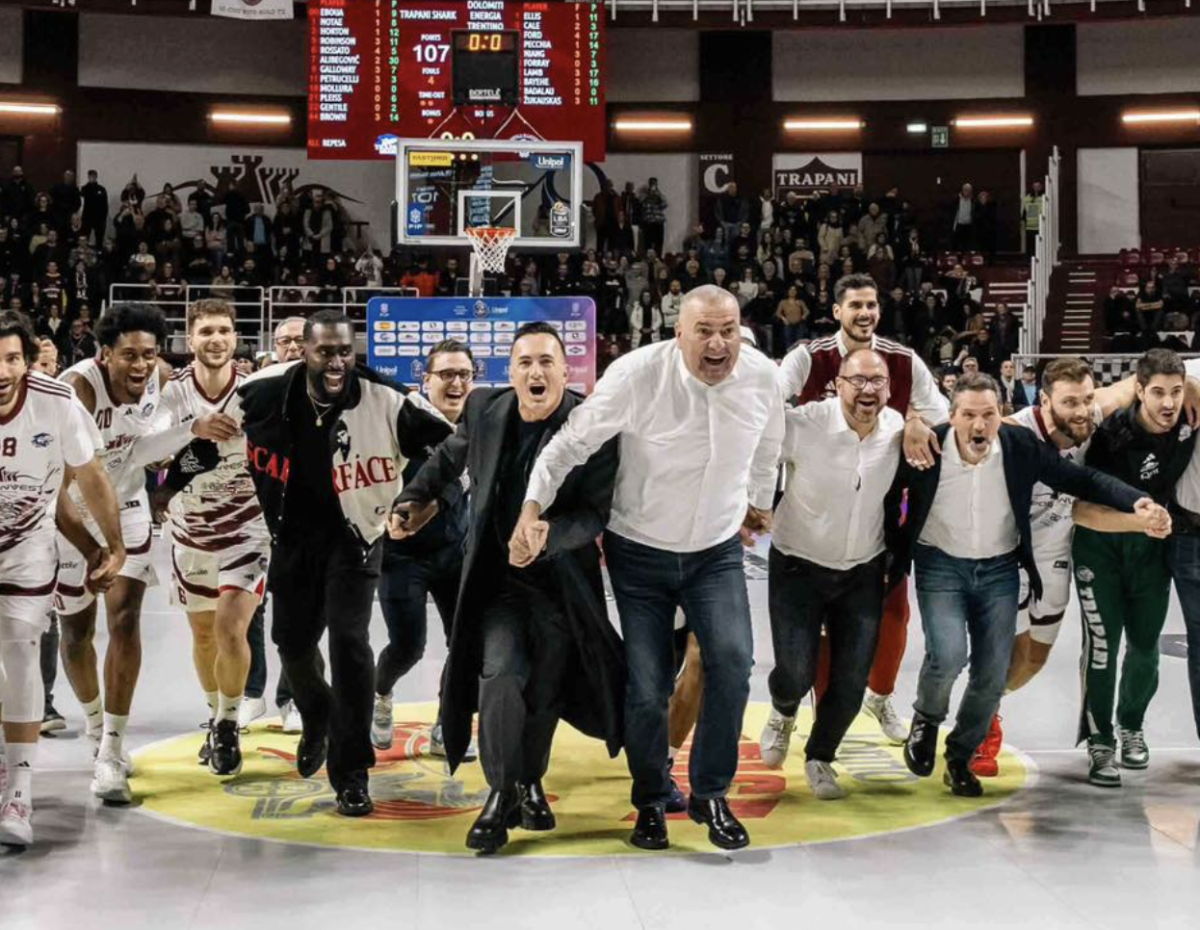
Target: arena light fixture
pixel 822 125
pixel 653 125
pixel 30 109
pixel 1161 116
pixel 249 118
pixel 993 122
pixel 918 128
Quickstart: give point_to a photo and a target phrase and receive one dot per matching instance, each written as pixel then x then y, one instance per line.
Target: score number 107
pixel 431 53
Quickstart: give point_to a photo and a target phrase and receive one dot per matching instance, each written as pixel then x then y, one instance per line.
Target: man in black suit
pixel 531 640
pixel 1012 394
pixel 968 541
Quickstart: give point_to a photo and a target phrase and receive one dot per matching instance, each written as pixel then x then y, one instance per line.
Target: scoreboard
pixel 380 70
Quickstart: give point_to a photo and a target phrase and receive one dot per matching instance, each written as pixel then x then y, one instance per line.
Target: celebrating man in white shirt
pixel 701 423
pixel 827 562
pixel 968 531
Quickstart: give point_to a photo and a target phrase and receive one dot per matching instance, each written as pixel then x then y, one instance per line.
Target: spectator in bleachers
pixel 645 321
pixel 654 217
pixel 1150 306
pixel 317 225
pixel 65 200
pixel 829 237
pixel 1120 314
pixel 869 228
pixel 1005 331
pixel 762 213
pixel 604 215
pixel 986 224
pixel 732 210
pixel 1029 385
pixel 792 313
pixel 671 306
pixel 1031 216
pixel 621 235
pixel 715 252
pixel 1173 283
pixel 947 379
pixel 77 343
pixel 1012 398
pixel 962 226
pixel 881 262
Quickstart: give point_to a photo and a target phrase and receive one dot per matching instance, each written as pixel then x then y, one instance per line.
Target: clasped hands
pixel 529 537
pixel 1153 519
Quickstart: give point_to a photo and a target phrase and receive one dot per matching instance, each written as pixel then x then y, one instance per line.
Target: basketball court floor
pixel 1041 849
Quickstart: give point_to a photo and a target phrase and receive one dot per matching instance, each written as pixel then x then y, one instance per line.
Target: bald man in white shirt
pixel 701 424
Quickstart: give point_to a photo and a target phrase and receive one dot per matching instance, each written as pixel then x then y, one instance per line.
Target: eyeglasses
pixel 861 382
pixel 449 375
pixel 290 341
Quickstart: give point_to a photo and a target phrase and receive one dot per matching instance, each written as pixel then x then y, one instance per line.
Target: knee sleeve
pixel 1045 630
pixel 21 690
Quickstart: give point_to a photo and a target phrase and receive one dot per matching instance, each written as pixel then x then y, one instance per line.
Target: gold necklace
pixel 320 414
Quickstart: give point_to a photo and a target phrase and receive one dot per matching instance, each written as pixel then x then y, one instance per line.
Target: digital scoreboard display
pixel 380 70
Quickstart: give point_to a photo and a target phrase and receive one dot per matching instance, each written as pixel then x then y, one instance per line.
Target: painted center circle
pixel 419 807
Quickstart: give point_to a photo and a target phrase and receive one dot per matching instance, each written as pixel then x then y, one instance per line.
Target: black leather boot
pixel 535 808
pixel 489 832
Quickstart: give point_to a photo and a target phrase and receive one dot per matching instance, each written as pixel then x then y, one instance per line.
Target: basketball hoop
pixel 491 244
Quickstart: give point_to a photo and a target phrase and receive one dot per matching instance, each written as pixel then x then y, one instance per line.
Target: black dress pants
pixel 527 651
pixel 319 585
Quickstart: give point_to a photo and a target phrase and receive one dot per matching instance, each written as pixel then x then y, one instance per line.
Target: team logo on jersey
pixel 1185 433
pixel 42 440
pixel 147 411
pixel 1085 574
pixel 1150 467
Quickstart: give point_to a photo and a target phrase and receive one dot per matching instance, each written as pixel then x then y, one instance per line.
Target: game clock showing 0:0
pixel 485 41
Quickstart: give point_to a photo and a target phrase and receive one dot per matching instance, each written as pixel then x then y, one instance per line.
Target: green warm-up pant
pixel 1124 585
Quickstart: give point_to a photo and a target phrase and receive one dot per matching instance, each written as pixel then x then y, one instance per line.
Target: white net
pixel 491 244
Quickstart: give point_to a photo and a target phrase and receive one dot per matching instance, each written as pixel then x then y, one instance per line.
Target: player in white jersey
pixel 220 543
pixel 121 390
pixel 46 440
pixel 1071 408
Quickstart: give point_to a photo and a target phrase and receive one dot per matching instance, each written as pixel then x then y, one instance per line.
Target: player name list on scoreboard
pixel 386 69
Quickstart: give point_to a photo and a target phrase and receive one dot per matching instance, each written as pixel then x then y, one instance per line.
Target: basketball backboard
pixel 444 186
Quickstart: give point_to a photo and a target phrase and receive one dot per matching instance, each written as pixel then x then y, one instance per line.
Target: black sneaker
pixel 206 748
pixel 226 756
pixel 52 720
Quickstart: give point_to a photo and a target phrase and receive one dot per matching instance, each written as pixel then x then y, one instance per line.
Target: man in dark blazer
pixel 968 539
pixel 531 640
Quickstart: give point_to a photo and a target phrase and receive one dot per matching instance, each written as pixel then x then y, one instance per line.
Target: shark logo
pixel 341 438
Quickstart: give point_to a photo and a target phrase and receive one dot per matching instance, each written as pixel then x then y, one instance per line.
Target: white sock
pixel 114 735
pixel 227 708
pixel 94 712
pixel 213 698
pixel 20 772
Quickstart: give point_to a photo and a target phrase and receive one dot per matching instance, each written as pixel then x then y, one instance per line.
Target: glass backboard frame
pixel 460 240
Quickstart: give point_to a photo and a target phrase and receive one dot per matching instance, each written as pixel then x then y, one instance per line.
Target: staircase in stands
pixel 1074 322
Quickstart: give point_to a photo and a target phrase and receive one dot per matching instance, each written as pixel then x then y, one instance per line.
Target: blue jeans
pixel 961 601
pixel 1184 554
pixel 710 586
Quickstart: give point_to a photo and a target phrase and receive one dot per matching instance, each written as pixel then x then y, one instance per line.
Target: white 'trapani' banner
pixel 365 190
pixel 809 173
pixel 253 9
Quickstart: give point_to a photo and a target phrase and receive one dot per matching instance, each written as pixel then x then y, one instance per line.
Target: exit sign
pixel 940 137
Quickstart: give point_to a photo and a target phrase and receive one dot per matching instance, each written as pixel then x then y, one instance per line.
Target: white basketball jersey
pixel 48 429
pixel 120 426
pixel 1050 516
pixel 218 509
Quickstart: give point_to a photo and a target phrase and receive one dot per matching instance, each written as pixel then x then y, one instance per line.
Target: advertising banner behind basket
pixel 253 9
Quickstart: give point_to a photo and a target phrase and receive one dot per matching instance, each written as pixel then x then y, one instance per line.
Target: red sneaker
pixel 984 763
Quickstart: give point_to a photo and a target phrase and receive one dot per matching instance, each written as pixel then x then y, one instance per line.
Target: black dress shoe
pixel 724 830
pixel 650 831
pixel 354 802
pixel 489 832
pixel 311 753
pixel 961 780
pixel 535 809
pixel 920 749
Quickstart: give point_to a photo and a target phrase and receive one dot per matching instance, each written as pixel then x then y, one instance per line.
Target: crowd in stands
pixel 1155 301
pixel 60 251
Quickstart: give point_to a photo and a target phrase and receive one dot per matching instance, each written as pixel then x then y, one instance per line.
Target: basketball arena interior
pixel 938 224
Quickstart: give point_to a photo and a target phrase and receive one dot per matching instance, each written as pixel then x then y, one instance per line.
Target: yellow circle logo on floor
pixel 419 807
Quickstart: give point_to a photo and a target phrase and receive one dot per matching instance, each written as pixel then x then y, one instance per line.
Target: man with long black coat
pixel 531 641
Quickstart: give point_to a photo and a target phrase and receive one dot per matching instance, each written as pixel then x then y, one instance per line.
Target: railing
pixel 1041 266
pixel 1107 367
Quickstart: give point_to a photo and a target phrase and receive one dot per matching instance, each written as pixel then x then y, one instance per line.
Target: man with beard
pixel 828 560
pixel 968 539
pixel 531 639
pixel 700 424
pixel 121 390
pixel 1124 579
pixel 326 442
pixel 809 373
pixel 428 565
pixel 1071 408
pixel 47 439
pixel 220 546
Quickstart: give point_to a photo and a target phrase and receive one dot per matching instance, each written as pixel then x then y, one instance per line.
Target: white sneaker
pixel 822 779
pixel 880 707
pixel 289 715
pixel 776 738
pixel 250 710
pixel 110 782
pixel 16 824
pixel 126 758
pixel 1134 753
pixel 382 722
pixel 438 748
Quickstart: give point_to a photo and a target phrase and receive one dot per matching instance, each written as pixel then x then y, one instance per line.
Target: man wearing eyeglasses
pixel 429 563
pixel 289 340
pixel 828 559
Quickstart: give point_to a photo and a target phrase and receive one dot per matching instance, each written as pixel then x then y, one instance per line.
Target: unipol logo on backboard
pixel 807 174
